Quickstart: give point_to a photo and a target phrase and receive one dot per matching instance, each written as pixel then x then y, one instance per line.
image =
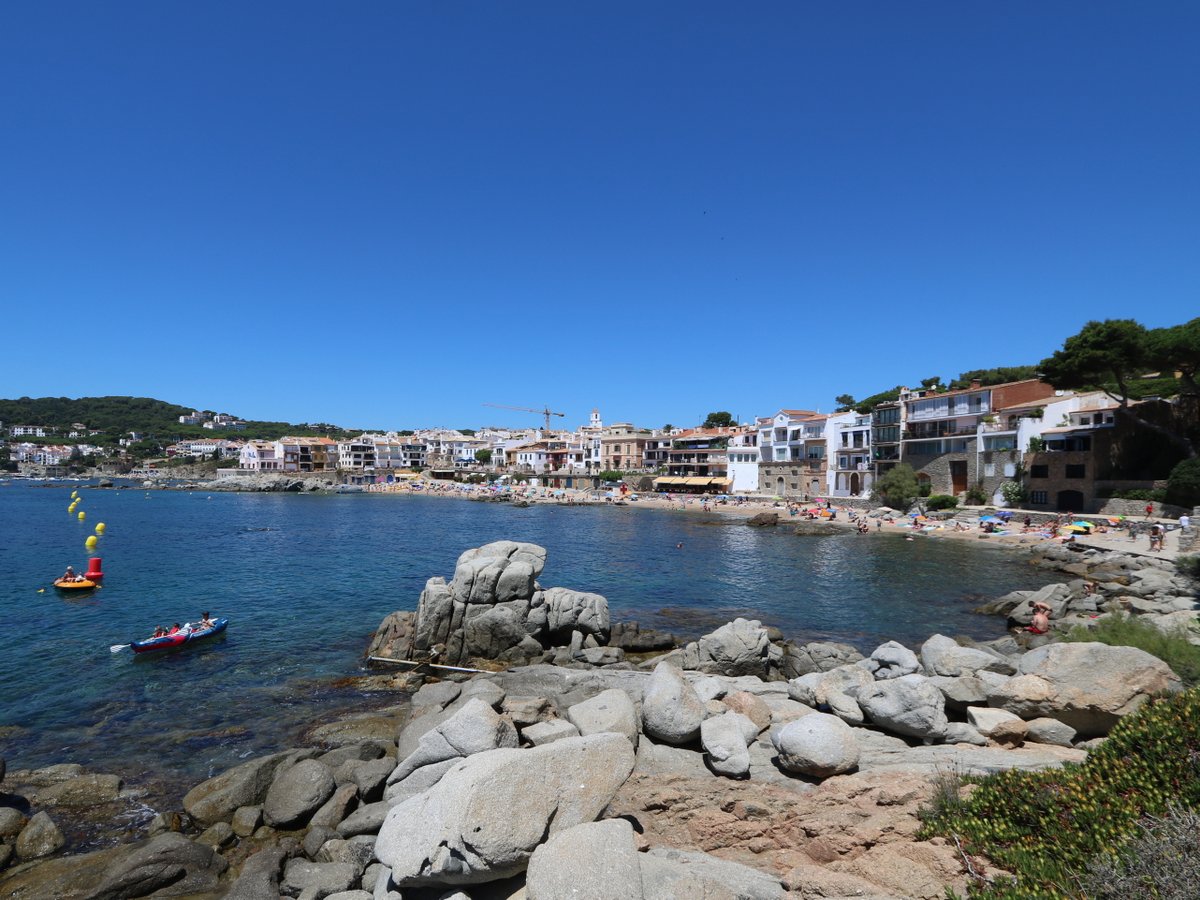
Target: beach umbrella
pixel 1076 529
pixel 1082 524
pixel 988 519
pixel 1115 520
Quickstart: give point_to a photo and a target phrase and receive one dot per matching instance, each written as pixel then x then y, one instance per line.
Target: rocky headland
pixel 607 761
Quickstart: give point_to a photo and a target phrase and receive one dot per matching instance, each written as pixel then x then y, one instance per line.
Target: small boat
pixel 75 587
pixel 179 638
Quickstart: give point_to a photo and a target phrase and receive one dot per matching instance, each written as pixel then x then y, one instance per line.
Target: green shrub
pixel 1189 566
pixel 924 489
pixel 1183 485
pixel 1171 647
pixel 1048 827
pixel 1013 493
pixel 977 496
pixel 897 487
pixel 942 501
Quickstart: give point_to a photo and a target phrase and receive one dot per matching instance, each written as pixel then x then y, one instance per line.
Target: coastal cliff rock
pixel 493 608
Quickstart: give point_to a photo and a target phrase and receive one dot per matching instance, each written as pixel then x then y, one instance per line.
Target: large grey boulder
pixel 216 799
pixel 473 728
pixel 166 860
pixel 549 731
pixel 597 860
pixel 817 656
pixel 296 793
pixel 463 830
pixel 318 880
pixel 909 705
pixel 259 878
pixel 815 688
pixel 568 611
pixel 671 709
pixel 40 837
pixel 1089 686
pixel 725 739
pixel 674 874
pixel 740 647
pixel 818 744
pixel 610 710
pixel 891 660
pixel 941 655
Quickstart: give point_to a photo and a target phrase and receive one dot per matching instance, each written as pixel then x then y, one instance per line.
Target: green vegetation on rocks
pixel 1048 828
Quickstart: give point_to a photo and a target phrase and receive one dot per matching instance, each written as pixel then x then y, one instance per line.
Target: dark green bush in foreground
pixel 1049 827
pixel 1171 647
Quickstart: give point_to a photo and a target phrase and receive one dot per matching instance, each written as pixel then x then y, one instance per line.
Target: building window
pixel 1040 471
pixel 1038 497
pixel 1010 470
pixel 1077 471
pixel 989 469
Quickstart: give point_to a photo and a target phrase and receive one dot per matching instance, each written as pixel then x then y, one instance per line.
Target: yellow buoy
pixel 90 543
pixel 82 515
pixel 74 494
pixel 99 528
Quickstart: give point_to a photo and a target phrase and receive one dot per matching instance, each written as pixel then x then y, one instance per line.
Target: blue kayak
pixel 179 639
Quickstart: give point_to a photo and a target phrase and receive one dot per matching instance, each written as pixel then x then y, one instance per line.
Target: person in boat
pixel 160 631
pixel 174 629
pixel 71 575
pixel 205 622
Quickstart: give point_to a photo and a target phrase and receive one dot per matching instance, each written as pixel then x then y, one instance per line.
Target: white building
pixel 29 430
pixel 849 454
pixel 194 419
pixel 743 462
pixel 260 456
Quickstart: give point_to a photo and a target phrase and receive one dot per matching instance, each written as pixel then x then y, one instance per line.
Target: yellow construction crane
pixel 544 411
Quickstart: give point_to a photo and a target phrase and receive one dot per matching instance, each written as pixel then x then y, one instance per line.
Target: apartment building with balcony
pixel 308 454
pixel 942 438
pixel 357 454
pixel 792 448
pixel 623 448
pixel 850 470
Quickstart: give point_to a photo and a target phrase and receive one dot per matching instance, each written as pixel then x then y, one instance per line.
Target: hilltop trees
pixel 845 403
pixel 718 420
pixel 1112 355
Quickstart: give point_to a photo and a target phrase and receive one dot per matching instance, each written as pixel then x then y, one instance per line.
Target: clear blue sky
pixel 386 214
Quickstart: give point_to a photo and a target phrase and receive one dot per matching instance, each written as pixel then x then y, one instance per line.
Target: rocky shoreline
pixel 736 765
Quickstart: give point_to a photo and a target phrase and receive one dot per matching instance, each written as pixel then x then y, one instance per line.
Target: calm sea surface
pixel 305 580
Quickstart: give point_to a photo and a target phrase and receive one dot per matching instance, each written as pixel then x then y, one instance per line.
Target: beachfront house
pixel 791 453
pixel 308 454
pixel 743 462
pixel 849 472
pixel 943 442
pixel 698 461
pixel 260 456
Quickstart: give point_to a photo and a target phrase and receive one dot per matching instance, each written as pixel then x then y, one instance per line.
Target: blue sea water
pixel 305 579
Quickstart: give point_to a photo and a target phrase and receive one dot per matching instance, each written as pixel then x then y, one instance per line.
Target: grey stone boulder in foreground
pixel 597 860
pixel 473 728
pixel 486 816
pixel 726 738
pixel 819 745
pixel 1088 686
pixel 610 710
pixel 740 647
pixel 296 793
pixel 941 655
pixel 891 660
pixel 909 705
pixel 216 799
pixel 675 874
pixel 671 708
